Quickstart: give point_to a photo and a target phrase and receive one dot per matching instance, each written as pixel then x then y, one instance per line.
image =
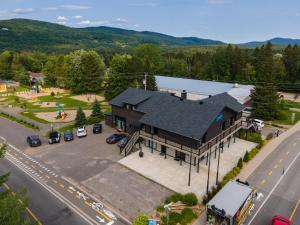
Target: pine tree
pixel 246 157
pixel 96 110
pixel 80 119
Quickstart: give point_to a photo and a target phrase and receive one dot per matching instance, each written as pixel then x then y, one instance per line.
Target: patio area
pixel 169 173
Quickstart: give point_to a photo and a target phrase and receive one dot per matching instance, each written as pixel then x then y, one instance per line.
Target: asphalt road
pixel 48 209
pixel 277 181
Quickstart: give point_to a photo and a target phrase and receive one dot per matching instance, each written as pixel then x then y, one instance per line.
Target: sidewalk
pixel 266 150
pixel 250 167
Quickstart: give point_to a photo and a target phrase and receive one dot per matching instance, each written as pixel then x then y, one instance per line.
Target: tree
pixel 246 157
pixel 265 101
pixel 119 76
pixel 85 71
pixel 12 206
pixel 96 110
pixel 6 60
pixel 147 59
pixel 80 119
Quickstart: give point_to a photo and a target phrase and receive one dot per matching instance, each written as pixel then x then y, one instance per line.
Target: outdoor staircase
pixel 132 140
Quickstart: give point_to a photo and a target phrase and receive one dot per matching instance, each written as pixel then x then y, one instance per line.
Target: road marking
pixel 273 189
pixel 270 173
pixel 276 166
pixel 70 191
pixel 26 162
pixel 55 181
pixel 27 209
pixel 295 209
pixel 62 186
pixel 47 176
pixel 103 215
pixel 41 171
pixel 77 196
pixel 33 166
pixel 263 181
pixel 280 160
pixel 63 199
pixel 87 203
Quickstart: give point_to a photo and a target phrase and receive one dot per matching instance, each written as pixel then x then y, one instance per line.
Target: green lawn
pixel 287 117
pixel 290 104
pixel 33 117
pixel 66 100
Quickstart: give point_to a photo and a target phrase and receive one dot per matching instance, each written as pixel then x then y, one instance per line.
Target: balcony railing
pixel 204 147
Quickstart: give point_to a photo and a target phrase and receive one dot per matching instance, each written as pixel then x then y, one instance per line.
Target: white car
pixel 260 124
pixel 81 132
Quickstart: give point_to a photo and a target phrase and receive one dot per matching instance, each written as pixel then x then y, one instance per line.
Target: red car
pixel 280 220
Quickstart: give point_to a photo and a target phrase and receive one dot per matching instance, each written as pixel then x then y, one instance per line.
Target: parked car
pixel 260 124
pixel 97 128
pixel 123 142
pixel 68 135
pixel 115 138
pixel 280 220
pixel 81 132
pixel 34 141
pixel 54 137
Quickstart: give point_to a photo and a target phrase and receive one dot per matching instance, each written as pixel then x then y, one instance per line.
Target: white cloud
pixel 77 17
pixel 145 4
pixel 120 20
pixel 50 8
pixel 84 22
pixel 136 25
pixel 62 22
pixel 76 7
pixel 62 18
pixel 23 11
pixel 216 2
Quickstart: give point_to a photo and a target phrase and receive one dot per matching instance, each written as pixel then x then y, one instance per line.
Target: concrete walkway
pixel 170 174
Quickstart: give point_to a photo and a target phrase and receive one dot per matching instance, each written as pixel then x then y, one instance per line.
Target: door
pixel 121 123
pixel 163 150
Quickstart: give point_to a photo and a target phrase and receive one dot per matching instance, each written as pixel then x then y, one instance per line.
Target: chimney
pixel 184 94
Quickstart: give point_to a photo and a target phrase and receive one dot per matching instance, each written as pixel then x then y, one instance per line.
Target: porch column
pixel 219 155
pixel 208 172
pixel 198 165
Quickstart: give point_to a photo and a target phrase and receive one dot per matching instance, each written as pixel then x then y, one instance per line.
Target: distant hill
pixel 275 41
pixel 24 34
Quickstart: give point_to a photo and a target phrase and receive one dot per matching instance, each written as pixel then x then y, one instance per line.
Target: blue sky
pixel 233 21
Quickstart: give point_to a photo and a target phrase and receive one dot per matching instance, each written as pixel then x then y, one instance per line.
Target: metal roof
pixel 231 197
pixel 203 87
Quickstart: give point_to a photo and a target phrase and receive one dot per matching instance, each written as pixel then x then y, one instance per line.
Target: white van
pixel 260 124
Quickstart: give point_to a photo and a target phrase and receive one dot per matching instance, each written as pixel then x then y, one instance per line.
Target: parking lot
pixel 93 163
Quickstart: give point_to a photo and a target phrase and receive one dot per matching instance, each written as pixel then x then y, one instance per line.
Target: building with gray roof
pixel 200 89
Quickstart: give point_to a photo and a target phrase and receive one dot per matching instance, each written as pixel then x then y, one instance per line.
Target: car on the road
pixel 54 137
pixel 97 128
pixel 123 142
pixel 114 138
pixel 34 141
pixel 68 135
pixel 280 220
pixel 259 123
pixel 81 132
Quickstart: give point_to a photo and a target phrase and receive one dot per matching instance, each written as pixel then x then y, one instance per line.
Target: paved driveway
pixel 93 163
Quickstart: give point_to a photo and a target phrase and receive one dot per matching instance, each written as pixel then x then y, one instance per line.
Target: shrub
pixel 52 94
pixel 240 163
pixel 188 216
pixel 174 198
pixel 246 157
pixel 141 219
pixel 269 136
pixel 175 218
pixel 160 208
pixel 190 199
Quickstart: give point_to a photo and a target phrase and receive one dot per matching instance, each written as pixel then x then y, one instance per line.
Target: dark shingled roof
pixel 184 117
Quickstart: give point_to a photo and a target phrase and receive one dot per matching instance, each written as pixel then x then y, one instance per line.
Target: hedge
pixel 186 216
pixel 141 219
pixel 189 199
pixel 20 121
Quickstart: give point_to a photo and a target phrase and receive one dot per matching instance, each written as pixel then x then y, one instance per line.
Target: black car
pixel 123 142
pixel 68 136
pixel 54 137
pixel 97 128
pixel 34 141
pixel 115 138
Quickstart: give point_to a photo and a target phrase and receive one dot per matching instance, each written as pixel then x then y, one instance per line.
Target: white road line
pixel 273 189
pixel 82 214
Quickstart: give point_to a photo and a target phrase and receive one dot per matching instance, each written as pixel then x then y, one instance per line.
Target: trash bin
pixel 141 154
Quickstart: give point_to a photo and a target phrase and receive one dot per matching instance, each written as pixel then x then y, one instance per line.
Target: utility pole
pixel 208 172
pixel 145 81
